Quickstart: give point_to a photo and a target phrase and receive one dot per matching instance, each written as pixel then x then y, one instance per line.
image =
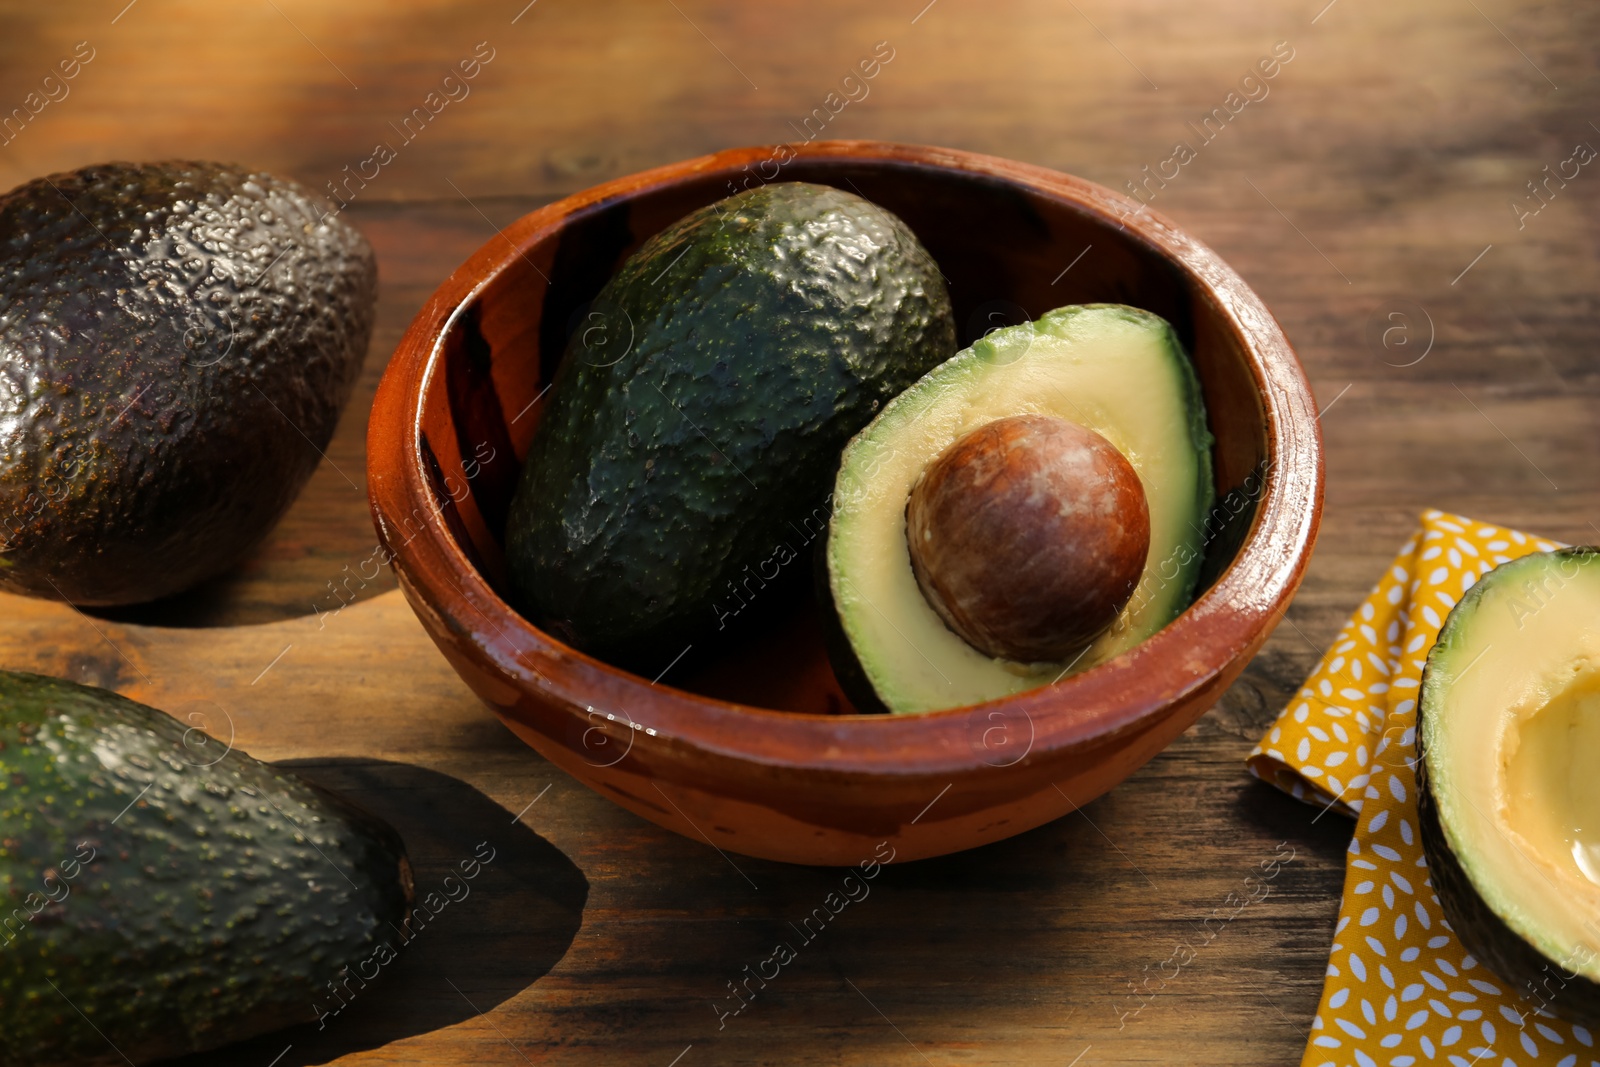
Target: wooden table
pixel 1374 180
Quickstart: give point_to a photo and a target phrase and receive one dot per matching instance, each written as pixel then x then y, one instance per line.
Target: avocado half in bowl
pixel 754 746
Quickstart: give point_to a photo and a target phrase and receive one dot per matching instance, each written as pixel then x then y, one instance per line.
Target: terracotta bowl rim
pixel 1119 697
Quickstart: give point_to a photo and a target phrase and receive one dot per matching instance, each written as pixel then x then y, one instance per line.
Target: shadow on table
pixel 1309 826
pixel 523 911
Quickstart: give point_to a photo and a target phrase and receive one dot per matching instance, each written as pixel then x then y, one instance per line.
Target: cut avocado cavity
pixel 1509 801
pixel 1116 370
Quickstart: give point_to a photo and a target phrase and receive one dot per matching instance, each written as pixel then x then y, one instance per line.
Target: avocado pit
pixel 1028 536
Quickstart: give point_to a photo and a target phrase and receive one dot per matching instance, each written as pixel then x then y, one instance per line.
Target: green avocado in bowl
pixel 1115 371
pixel 701 408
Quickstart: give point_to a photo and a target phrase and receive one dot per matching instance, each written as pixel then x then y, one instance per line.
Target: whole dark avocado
pixel 177 341
pixel 164 894
pixel 695 422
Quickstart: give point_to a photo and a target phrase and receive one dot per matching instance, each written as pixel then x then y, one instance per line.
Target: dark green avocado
pixel 160 898
pixel 695 422
pixel 177 341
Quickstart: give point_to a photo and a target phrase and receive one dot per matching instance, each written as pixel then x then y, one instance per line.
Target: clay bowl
pixel 755 750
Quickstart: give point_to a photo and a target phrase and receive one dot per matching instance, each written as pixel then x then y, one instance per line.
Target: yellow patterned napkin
pixel 1400 989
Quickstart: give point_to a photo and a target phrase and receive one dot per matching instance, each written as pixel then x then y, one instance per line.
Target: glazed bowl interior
pixel 1010 251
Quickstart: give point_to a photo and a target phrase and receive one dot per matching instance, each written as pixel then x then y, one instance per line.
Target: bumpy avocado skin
pixel 699 411
pixel 189 898
pixel 177 341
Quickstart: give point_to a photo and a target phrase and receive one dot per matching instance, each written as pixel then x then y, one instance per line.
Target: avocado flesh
pixel 179 897
pixel 177 341
pixel 1116 370
pixel 1509 743
pixel 695 422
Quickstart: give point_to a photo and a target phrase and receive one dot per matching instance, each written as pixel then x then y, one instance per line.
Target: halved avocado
pixel 1508 774
pixel 1116 370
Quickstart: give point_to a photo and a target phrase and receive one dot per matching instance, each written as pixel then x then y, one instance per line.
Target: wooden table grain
pixel 1376 191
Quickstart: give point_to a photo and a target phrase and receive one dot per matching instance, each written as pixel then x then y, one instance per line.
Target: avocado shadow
pixel 524 907
pixel 1325 833
pixel 240 597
